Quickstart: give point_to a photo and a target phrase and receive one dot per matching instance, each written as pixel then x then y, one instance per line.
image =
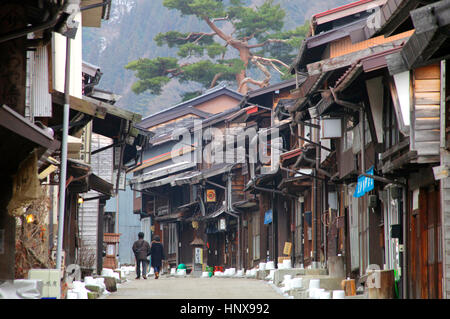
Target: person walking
pixel 141 250
pixel 157 255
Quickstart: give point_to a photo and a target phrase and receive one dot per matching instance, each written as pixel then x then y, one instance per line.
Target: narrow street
pixel 194 288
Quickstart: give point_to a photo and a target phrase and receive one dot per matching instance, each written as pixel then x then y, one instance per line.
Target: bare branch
pixel 214 20
pixel 270 61
pixel 263 83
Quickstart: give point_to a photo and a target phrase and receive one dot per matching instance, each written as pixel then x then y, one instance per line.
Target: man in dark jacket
pixel 157 255
pixel 141 249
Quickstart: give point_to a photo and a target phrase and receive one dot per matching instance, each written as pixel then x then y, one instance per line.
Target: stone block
pixel 326 282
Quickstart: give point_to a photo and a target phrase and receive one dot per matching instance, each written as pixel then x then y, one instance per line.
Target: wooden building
pixel 385 86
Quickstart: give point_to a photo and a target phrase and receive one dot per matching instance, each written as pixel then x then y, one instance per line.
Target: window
pixel 172 247
pixel 390 126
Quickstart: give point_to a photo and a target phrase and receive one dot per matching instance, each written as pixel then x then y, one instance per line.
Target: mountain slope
pixel 129 33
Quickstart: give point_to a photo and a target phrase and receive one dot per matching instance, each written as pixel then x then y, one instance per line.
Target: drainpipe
pixel 231 211
pixel 62 179
pixel 315 204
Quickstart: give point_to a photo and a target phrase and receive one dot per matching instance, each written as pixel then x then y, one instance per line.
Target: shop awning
pixel 160 172
pixel 170 218
pixel 217 213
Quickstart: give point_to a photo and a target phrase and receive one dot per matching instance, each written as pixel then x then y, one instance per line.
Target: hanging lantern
pixel 29 218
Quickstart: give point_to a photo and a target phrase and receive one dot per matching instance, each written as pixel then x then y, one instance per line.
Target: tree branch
pixel 217 30
pixel 270 61
pixel 263 83
pixel 214 80
pixel 259 45
pixel 220 19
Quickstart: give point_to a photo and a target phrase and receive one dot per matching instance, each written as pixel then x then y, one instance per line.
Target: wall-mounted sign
pixel 210 195
pixel 268 217
pixel 440 172
pixel 365 184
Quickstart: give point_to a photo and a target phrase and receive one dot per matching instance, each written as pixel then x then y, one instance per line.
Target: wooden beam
pixel 80 105
pixel 396 148
pixel 399 162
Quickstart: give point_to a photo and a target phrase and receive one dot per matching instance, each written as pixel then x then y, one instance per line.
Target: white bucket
pixel 205 274
pixel 106 272
pixel 338 294
pixel 297 283
pixel 181 272
pixel 173 271
pixel 325 295
pixel 287 264
pixel 77 285
pixel 262 266
pixel 270 265
pixel 314 293
pixel 314 283
pixel 88 280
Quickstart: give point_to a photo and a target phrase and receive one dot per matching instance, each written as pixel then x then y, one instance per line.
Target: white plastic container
pixel 287 264
pixel 88 280
pixel 314 293
pixel 270 265
pixel 325 295
pixel 72 295
pixel 262 266
pixel 181 272
pixel 338 294
pixel 106 272
pixel 173 271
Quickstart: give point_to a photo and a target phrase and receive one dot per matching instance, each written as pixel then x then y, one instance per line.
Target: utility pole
pixel 63 169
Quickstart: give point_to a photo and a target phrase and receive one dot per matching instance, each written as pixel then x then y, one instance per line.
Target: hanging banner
pixel 268 217
pixel 365 184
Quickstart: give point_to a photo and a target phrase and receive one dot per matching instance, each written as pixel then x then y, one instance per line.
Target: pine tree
pixel 256 39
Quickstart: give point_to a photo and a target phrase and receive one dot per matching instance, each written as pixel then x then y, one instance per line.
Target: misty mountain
pixel 128 35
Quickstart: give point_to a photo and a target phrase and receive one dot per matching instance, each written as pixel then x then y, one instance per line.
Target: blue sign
pixel 268 217
pixel 365 184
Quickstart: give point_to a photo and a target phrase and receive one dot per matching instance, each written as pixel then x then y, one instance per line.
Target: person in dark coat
pixel 157 255
pixel 141 249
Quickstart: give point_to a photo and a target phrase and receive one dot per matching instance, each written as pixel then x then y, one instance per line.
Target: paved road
pixel 167 287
